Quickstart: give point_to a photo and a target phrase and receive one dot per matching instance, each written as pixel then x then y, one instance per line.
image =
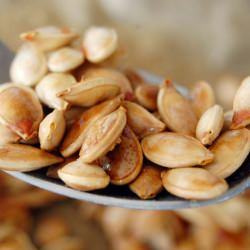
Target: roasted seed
pixel 24 158
pixel 175 110
pixel 52 84
pixel 141 121
pixel 49 37
pixel 175 150
pixel 99 43
pixel 65 59
pixel 148 184
pixel 193 183
pixel 7 135
pixel 51 130
pixel 124 163
pixel 82 176
pixel 74 138
pixel 103 135
pixel 230 151
pixel 202 96
pixel 28 66
pixel 210 125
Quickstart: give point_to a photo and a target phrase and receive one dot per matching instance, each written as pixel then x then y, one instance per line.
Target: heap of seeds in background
pixel 69 105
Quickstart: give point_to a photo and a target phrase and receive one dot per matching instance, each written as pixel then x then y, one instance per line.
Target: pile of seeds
pixel 94 125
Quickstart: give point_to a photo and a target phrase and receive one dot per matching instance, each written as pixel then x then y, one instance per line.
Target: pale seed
pixel 49 37
pixel 228 117
pixel 141 121
pixel 175 110
pixel 124 163
pixel 74 137
pixel 28 66
pixel 202 96
pixel 72 115
pixel 193 183
pixel 241 105
pixel 89 92
pixel 20 110
pixel 146 95
pixel 48 88
pixel 103 135
pixel 51 130
pixel 82 176
pixel 175 150
pixel 230 151
pixel 24 158
pixel 99 43
pixel 148 184
pixel 65 59
pixel 210 125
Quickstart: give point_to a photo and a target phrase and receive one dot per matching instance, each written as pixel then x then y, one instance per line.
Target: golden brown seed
pixel 48 88
pixel 28 66
pixel 72 115
pixel 7 135
pixel 241 105
pixel 49 37
pixel 230 151
pixel 146 95
pixel 20 110
pixel 174 150
pixel 65 59
pixel 148 184
pixel 24 158
pixel 51 130
pixel 124 163
pixel 74 137
pixel 103 135
pixel 202 96
pixel 53 170
pixel 134 77
pixel 82 176
pixel 193 183
pixel 210 125
pixel 119 78
pixel 141 121
pixel 90 92
pixel 99 43
pixel 175 110
pixel 228 117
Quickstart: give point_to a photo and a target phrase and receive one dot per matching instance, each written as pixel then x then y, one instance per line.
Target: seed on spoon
pixel 175 110
pixel 228 117
pixel 173 150
pixel 210 125
pixel 49 37
pixel 124 163
pixel 230 151
pixel 241 105
pixel 146 95
pixel 83 176
pixel 52 84
pixel 193 183
pixel 20 110
pixel 74 137
pixel 141 121
pixel 7 135
pixel 28 66
pixel 24 158
pixel 103 135
pixel 65 59
pixel 202 96
pixel 99 43
pixel 51 130
pixel 119 78
pixel 148 184
pixel 53 170
pixel 89 92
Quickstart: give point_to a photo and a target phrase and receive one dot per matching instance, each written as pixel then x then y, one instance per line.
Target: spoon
pixel 122 196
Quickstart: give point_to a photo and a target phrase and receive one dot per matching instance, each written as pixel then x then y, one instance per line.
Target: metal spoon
pixel 121 196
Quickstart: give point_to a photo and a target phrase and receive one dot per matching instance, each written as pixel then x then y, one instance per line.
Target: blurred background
pixel 182 40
